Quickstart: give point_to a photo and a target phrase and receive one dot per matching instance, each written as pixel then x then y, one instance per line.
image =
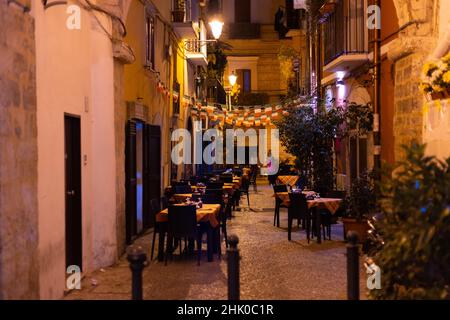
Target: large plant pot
pixel 178 16
pixel 360 227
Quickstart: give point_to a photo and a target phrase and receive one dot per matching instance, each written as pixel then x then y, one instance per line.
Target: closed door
pixel 73 223
pixel 152 169
pixel 243 11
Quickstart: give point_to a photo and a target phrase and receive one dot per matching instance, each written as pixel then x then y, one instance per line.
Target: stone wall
pixel 409 52
pixel 19 267
pixel 119 124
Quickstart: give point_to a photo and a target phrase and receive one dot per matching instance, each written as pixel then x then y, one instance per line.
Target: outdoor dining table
pixel 288 180
pixel 209 213
pixel 330 204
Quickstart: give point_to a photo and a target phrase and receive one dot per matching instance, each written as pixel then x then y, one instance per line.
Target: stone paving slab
pixel 272 268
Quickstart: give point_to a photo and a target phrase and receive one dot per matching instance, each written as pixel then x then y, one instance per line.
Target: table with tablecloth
pixel 287 180
pixel 330 204
pixel 208 213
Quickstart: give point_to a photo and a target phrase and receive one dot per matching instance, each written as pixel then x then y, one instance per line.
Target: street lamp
pixel 216 28
pixel 232 79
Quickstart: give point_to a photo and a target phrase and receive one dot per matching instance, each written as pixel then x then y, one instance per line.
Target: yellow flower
pixel 437 88
pixel 446 77
pixel 446 59
pixel 429 67
pixel 425 87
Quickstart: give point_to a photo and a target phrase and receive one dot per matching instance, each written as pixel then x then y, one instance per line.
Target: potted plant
pixel 179 11
pixel 359 205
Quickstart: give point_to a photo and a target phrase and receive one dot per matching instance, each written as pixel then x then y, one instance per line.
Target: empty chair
pixel 158 226
pixel 214 191
pixel 253 177
pixel 164 202
pixel 214 185
pixel 226 178
pixel 182 189
pixel 217 198
pixel 278 203
pixel 298 209
pixel 212 198
pixel 182 224
pixel 244 189
pixel 179 183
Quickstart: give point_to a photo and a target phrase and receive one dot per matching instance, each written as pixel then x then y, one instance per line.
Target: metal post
pixel 352 266
pixel 377 98
pixel 137 258
pixel 233 268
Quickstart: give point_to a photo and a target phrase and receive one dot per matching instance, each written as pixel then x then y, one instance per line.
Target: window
pixel 242 11
pixel 150 42
pixel 245 80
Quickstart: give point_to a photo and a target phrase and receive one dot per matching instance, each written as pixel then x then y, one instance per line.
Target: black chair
pixel 298 209
pixel 182 189
pixel 226 178
pixel 182 224
pixel 326 217
pixel 158 226
pixel 214 191
pixel 245 184
pixel 253 177
pixel 164 202
pixel 278 203
pixel 217 198
pixel 175 183
pixel 214 185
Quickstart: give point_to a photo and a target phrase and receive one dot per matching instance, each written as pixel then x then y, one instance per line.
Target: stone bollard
pixel 137 258
pixel 352 266
pixel 233 268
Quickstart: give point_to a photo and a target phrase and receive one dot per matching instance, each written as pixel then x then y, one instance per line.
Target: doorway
pixel 143 175
pixel 73 220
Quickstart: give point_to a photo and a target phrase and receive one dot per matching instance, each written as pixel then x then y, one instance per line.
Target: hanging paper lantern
pixel 278 108
pixel 257 123
pixel 268 111
pixel 257 112
pixel 275 115
pixel 285 113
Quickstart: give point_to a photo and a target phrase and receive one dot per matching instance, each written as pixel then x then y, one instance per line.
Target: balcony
pixel 184 30
pixel 345 36
pixel 216 92
pixel 184 15
pixel 244 31
pixel 196 52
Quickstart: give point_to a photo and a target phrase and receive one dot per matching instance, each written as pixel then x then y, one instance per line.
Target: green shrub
pixel 415 200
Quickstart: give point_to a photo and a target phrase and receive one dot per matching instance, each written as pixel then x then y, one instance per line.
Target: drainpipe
pixel 377 98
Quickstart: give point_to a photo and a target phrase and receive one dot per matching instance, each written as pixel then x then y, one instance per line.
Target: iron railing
pixel 345 30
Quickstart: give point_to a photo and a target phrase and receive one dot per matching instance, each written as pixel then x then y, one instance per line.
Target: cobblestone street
pixel 271 266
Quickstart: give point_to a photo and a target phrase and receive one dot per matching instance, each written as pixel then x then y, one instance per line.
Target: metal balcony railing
pixel 345 30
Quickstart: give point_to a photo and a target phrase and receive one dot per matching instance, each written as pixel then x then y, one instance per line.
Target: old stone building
pixel 19 259
pixel 424 36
